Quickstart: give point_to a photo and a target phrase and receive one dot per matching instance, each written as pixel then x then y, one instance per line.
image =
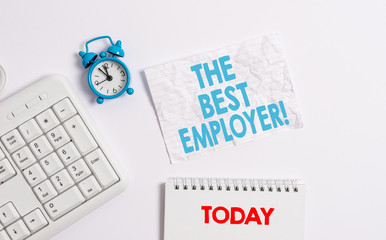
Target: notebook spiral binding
pixel 236 184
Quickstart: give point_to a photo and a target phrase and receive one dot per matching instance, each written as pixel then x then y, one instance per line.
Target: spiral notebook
pixel 228 209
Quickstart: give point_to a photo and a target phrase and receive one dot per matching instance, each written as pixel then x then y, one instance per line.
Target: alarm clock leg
pixel 100 100
pixel 130 91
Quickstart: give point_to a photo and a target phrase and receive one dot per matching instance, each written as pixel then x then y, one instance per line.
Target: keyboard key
pixel 35 220
pixel 4 235
pixel 101 168
pixel 58 137
pixel 18 230
pixel 80 135
pixel 47 120
pixel 62 180
pixel 8 214
pixel 6 170
pixel 51 164
pixel 79 170
pixel 23 158
pixel 64 203
pixel 64 109
pixel 90 187
pixel 1 154
pixel 41 147
pixel 45 191
pixel 13 140
pixel 30 130
pixel 68 153
pixel 34 174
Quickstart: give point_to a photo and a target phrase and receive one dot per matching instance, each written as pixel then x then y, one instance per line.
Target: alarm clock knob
pixel 116 49
pixel 103 54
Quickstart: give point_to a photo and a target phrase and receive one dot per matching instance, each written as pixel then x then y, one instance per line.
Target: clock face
pixel 109 78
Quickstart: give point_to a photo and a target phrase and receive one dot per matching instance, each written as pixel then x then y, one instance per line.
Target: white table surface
pixel 336 52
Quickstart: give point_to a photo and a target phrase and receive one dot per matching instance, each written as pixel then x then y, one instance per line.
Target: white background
pixel 337 56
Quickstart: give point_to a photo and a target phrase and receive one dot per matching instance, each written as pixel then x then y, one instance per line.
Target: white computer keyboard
pixel 54 168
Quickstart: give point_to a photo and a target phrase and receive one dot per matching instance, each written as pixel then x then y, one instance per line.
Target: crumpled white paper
pixel 259 63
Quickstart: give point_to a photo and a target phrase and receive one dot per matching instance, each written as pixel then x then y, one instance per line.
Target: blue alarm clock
pixel 108 76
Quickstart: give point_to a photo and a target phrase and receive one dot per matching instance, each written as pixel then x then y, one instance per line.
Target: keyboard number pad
pixel 51 164
pixel 60 160
pixel 64 109
pixel 79 170
pixel 45 191
pixel 90 187
pixel 34 174
pixel 58 137
pixel 47 120
pixel 80 134
pixel 30 130
pixel 68 153
pixel 23 158
pixel 41 147
pixel 62 180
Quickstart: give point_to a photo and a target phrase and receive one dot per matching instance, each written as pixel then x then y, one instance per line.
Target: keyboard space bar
pixel 81 136
pixel 64 203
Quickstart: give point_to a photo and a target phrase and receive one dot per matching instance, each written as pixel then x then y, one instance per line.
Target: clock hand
pixel 103 72
pixel 106 70
pixel 101 82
